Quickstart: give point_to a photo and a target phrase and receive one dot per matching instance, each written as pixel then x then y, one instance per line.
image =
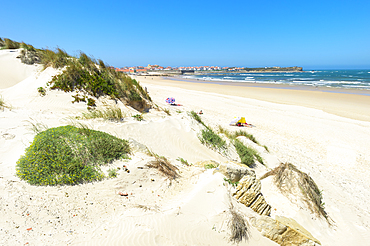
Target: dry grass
pixel 289 179
pixel 164 166
pixel 113 113
pixel 238 226
pixel 3 104
pixel 36 127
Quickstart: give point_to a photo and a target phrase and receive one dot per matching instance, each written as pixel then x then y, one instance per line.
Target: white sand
pixel 12 70
pixel 194 209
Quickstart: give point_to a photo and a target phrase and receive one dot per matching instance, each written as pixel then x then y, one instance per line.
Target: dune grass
pixel 3 104
pixel 247 154
pixel 209 138
pixel 109 112
pixel 238 226
pixel 238 133
pixel 68 155
pixel 84 74
pixel 163 165
pixel 288 178
pixel 183 161
pixel 196 117
pixel 7 43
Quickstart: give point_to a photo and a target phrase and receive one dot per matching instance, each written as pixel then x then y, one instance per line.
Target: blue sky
pixel 313 34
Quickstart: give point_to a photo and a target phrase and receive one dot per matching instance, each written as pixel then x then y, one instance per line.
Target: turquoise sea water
pixel 354 79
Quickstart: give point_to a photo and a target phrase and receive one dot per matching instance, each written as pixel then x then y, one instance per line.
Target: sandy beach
pixel 348 103
pixel 326 135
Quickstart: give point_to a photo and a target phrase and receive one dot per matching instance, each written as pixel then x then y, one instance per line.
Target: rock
pixel 142 105
pixel 284 231
pixel 249 193
pixel 207 164
pixel 235 171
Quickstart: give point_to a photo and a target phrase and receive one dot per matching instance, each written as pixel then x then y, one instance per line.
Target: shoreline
pixel 363 92
pixel 347 103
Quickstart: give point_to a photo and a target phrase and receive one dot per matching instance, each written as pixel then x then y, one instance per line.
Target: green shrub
pixel 41 91
pixel 138 117
pixel 112 172
pixel 69 155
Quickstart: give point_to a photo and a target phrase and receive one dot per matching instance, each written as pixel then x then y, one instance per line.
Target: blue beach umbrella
pixel 170 100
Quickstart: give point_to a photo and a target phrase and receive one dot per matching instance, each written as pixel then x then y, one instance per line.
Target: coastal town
pixel 152 69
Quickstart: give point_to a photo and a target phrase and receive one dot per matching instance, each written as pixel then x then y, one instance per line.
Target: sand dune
pixel 193 210
pixel 12 70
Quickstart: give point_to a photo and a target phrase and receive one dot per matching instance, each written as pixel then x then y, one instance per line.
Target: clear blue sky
pixel 313 34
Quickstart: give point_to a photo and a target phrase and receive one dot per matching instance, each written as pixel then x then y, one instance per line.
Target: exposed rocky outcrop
pixel 284 231
pixel 249 193
pixel 208 163
pixel 234 171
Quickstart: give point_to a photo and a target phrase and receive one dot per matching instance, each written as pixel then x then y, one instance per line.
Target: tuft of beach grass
pixel 163 165
pixel 238 226
pixel 288 178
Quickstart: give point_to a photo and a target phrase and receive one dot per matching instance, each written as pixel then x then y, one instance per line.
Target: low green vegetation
pixel 247 154
pixel 109 112
pixel 196 117
pixel 8 44
pixel 231 182
pixel 167 111
pixel 41 91
pixel 207 136
pixel 68 155
pixel 184 162
pixel 245 134
pixel 84 74
pixel 210 166
pixel 112 172
pixel 138 117
pixel 211 139
pixel 234 135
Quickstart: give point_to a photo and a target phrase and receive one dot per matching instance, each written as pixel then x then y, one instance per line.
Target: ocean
pixel 353 79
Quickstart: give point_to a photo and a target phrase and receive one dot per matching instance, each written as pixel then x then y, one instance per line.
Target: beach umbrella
pixel 170 100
